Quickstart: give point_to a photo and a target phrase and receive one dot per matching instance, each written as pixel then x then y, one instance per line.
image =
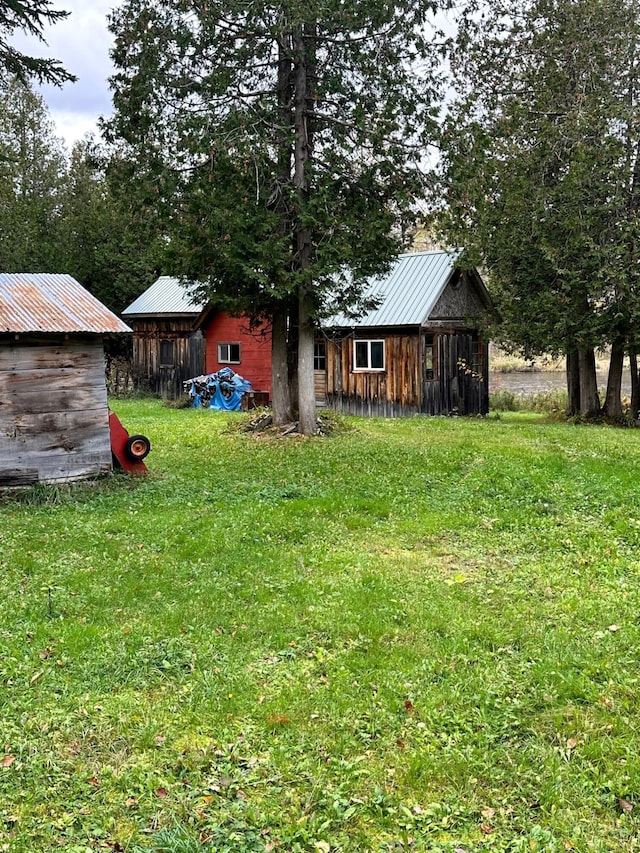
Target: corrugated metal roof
pixel 167 295
pixel 408 293
pixel 46 302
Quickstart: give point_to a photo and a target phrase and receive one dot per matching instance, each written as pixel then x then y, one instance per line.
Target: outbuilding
pixel 54 416
pixel 420 351
pixel 176 337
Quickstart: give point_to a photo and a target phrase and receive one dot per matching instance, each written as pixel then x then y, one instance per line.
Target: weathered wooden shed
pixel 175 338
pixel 167 347
pixel 421 351
pixel 54 417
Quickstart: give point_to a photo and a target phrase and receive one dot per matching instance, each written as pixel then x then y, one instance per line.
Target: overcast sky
pixel 81 43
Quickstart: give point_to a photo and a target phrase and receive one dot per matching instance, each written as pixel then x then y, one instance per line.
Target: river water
pixel 538 381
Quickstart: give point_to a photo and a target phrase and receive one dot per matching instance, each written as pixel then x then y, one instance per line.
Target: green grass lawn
pixel 411 635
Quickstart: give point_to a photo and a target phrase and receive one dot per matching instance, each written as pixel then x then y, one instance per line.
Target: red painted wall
pixel 255 349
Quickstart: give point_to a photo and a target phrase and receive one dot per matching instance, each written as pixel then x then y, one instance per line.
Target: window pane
pixel 377 354
pixel 229 353
pixel 362 354
pixel 428 358
pixel 319 356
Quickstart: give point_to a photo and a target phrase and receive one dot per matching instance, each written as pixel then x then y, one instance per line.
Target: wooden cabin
pixel 54 417
pixel 176 337
pixel 421 351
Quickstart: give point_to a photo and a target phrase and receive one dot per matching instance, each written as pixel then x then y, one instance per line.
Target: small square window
pixel 368 355
pixel 229 353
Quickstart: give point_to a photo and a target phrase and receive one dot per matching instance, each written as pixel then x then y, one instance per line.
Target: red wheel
pixel 137 447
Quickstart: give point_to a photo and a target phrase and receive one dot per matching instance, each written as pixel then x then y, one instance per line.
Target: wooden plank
pixel 28 355
pixel 53 410
pixel 62 445
pixel 56 464
pixel 84 398
pixel 18 477
pixel 320 385
pixel 43 378
pixel 27 426
pixel 43 381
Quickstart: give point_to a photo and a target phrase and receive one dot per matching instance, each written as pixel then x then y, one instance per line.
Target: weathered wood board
pixel 54 416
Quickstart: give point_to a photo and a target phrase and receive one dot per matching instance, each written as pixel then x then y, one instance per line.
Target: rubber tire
pixel 137 447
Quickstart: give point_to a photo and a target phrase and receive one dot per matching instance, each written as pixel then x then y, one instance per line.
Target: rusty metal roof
pixel 46 302
pixel 167 295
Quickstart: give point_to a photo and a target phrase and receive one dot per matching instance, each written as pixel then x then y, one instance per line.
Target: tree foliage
pixel 69 214
pixel 108 246
pixel 32 174
pixel 540 172
pixel 30 17
pixel 283 142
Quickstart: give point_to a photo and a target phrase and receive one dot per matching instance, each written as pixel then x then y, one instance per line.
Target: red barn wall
pixel 255 349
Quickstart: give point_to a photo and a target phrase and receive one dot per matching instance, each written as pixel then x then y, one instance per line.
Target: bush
pixel 547 402
pixel 505 401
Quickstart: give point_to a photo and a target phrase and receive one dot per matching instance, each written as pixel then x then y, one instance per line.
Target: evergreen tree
pixel 284 144
pixel 32 174
pixel 108 246
pixel 540 173
pixel 29 16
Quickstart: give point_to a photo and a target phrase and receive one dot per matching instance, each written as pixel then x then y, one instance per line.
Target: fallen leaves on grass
pixel 278 720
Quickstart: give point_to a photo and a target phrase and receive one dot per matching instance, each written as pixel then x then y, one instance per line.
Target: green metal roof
pixel 408 293
pixel 167 295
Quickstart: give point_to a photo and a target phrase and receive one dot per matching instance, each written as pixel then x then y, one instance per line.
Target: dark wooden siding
pixel 54 417
pixel 461 383
pixel 187 360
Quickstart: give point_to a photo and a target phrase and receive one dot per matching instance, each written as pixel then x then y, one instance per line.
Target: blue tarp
pixel 222 390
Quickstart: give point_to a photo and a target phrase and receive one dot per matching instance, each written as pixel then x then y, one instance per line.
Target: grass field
pixel 411 635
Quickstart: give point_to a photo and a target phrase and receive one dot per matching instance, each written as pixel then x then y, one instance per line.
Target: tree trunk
pixel 613 400
pixel 573 383
pixel 280 393
pixel 306 387
pixel 589 400
pixel 635 390
pixel 304 70
pixel 292 354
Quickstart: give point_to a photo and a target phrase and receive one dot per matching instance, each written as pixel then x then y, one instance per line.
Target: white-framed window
pixel 228 353
pixel 368 355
